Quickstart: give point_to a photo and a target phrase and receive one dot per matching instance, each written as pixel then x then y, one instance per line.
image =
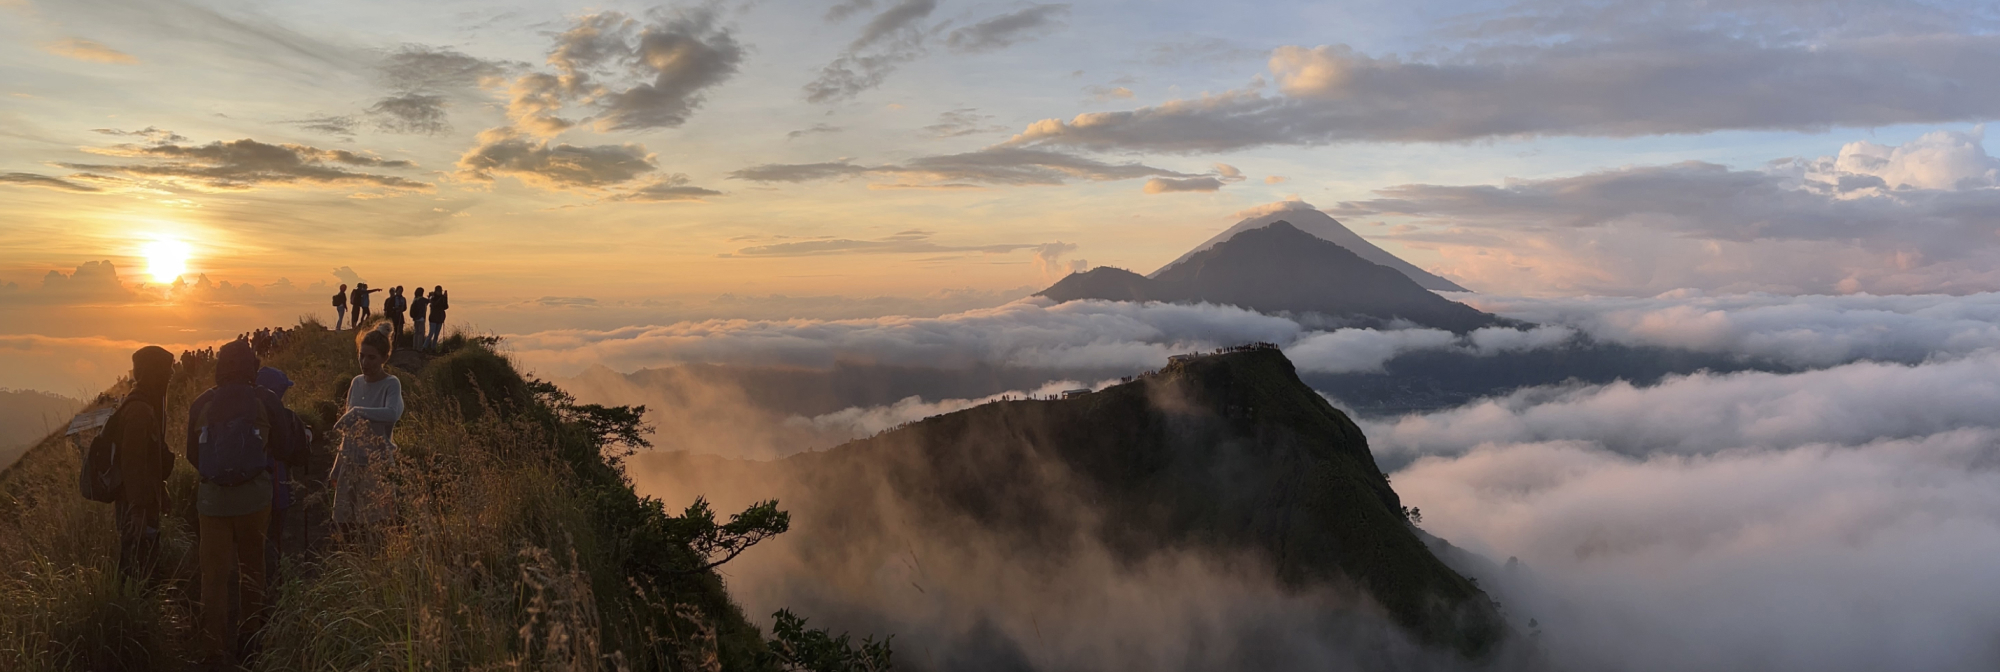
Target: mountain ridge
pixel 1230 452
pixel 1279 268
pixel 1325 227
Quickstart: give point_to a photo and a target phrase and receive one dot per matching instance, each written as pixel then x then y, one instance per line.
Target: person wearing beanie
pixel 233 431
pixel 143 460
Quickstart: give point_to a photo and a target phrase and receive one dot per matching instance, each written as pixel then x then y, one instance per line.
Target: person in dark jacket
pixel 419 309
pixel 439 302
pixel 143 461
pixel 281 482
pixel 395 306
pixel 234 517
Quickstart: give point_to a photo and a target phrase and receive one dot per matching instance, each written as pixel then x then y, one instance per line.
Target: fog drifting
pixel 1842 517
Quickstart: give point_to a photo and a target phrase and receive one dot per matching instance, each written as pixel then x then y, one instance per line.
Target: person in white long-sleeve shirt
pixel 361 498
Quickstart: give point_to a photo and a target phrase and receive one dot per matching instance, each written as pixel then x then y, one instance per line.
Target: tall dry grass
pixel 502 556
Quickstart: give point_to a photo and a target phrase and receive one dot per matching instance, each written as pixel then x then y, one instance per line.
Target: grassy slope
pixel 1231 451
pixel 522 544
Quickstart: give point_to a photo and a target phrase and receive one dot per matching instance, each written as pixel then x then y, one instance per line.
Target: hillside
pixel 1279 268
pixel 1317 223
pixel 1223 456
pixel 26 416
pixel 521 544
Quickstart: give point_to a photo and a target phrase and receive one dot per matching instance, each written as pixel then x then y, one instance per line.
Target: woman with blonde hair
pixel 361 497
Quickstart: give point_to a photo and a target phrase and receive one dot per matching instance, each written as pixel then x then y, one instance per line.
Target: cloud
pixel 1292 204
pixel 814 130
pixel 1807 331
pixel 150 133
pixel 1032 333
pixel 1049 261
pixel 329 124
pixel 248 164
pixel 997 165
pixel 892 38
pixel 1751 520
pixel 1703 414
pixel 1007 29
pixel 91 282
pixel 1943 160
pixel 1159 185
pixel 798 172
pixel 1832 224
pixel 1104 94
pixel 671 189
pixel 906 242
pixel 535 162
pixel 86 50
pixel 684 53
pixel 410 113
pixel 962 122
pixel 1635 82
pixel 1275 179
pixel 415 68
pixel 46 182
pixel 1821 557
pixel 347 275
pixel 633 75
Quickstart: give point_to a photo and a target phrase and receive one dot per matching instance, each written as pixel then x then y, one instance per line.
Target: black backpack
pixel 100 479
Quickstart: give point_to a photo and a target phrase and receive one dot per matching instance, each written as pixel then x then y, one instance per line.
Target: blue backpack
pixel 235 435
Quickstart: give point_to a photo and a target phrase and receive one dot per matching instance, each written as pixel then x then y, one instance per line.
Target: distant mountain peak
pixel 1281 268
pixel 1304 217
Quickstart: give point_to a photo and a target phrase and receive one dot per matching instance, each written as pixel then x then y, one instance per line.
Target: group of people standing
pixel 422 311
pixel 242 441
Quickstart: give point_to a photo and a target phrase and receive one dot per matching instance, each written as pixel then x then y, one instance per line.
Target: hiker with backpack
pixel 127 464
pixel 234 432
pixel 361 496
pixel 418 309
pixel 339 306
pixel 439 302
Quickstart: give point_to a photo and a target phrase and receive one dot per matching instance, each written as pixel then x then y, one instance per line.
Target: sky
pixel 606 166
pixel 618 186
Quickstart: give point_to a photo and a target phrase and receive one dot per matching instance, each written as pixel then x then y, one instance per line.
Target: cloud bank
pixel 1910 218
pixel 1828 520
pixel 1644 73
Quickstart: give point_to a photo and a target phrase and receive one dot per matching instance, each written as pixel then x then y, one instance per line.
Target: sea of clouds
pixel 1843 515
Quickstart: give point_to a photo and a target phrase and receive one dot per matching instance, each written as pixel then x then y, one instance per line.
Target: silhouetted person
pixel 234 430
pixel 339 306
pixel 281 479
pixel 394 306
pixel 358 299
pixel 143 460
pixel 440 300
pixel 419 309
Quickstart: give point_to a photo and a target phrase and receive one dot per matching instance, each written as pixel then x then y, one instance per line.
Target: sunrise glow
pixel 166 259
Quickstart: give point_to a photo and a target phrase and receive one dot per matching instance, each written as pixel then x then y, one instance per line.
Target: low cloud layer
pixel 1828 520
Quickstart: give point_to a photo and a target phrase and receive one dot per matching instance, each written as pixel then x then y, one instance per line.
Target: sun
pixel 166 259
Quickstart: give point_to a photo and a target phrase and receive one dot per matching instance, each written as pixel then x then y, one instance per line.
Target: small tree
pixel 797 649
